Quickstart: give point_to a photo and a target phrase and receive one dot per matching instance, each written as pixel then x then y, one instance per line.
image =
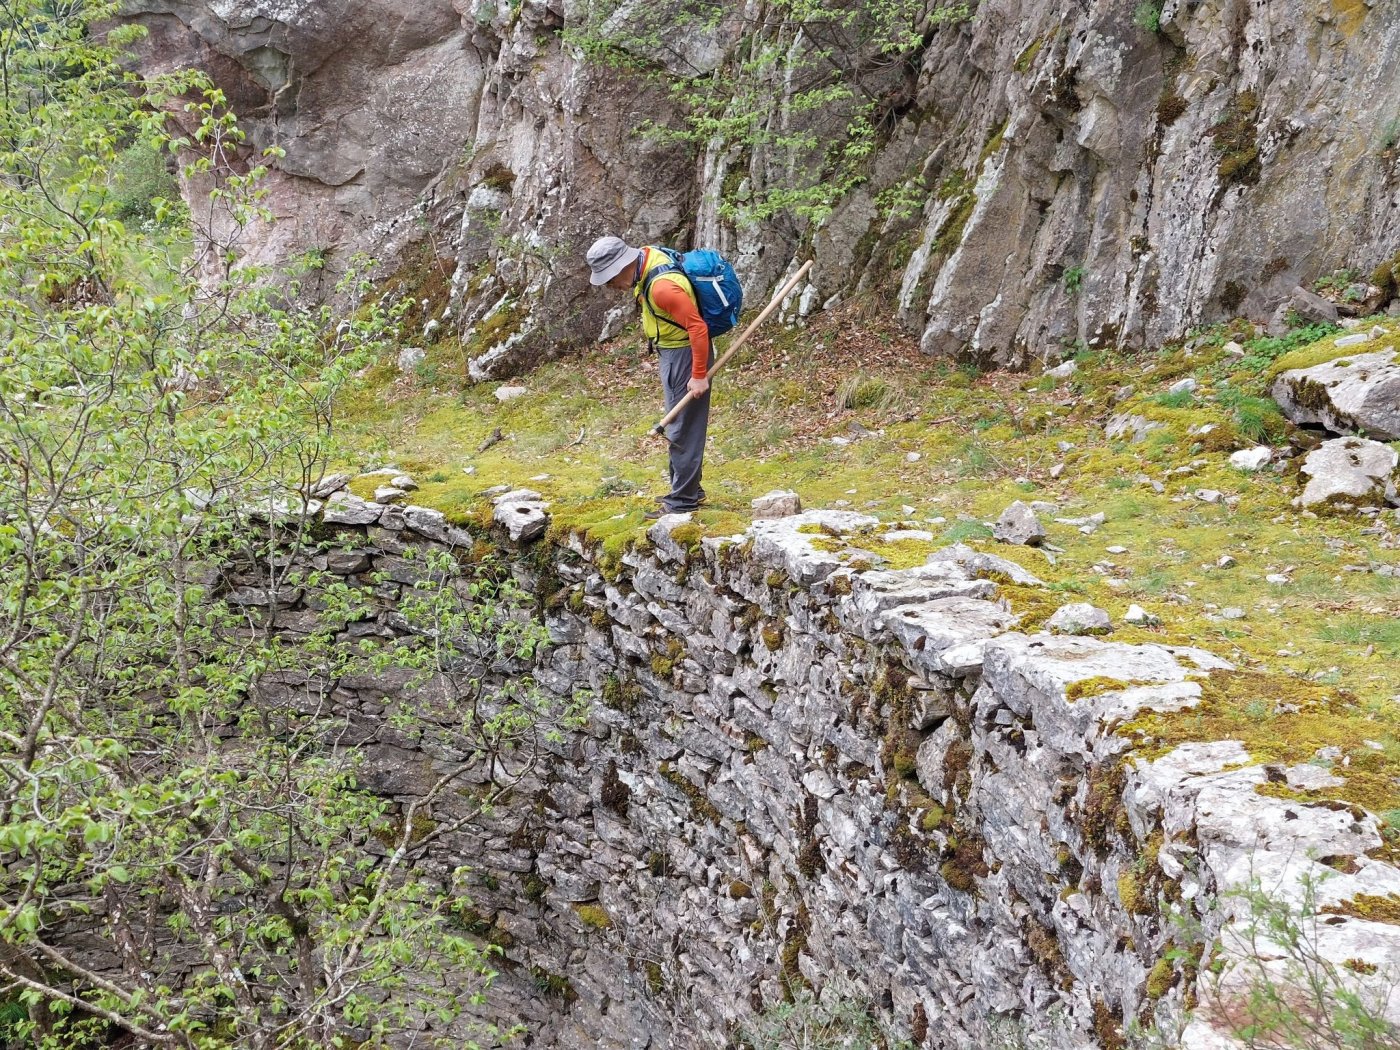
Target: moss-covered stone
pixel 593 916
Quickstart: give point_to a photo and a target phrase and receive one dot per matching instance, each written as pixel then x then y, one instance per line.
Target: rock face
pixel 1065 173
pixel 794 773
pixel 1349 395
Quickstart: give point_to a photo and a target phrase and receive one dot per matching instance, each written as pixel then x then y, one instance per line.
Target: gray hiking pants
pixel 686 433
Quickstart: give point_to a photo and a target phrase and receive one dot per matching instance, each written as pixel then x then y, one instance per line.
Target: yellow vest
pixel 654 322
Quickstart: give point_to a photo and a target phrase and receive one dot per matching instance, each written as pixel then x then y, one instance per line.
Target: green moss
pixel 534 888
pixel 688 537
pixel 1133 895
pixel 593 916
pixel 1026 58
pixel 1097 686
pixel 1235 137
pixel 664 664
pixel 1284 720
pixel 391 835
pixel 553 984
pixel 624 696
pixel 967 864
pixel 702 806
pixel 1045 949
pixel 656 981
pixel 932 817
pixel 790 973
pixel 1368 906
pixel 958 190
pixel 1103 803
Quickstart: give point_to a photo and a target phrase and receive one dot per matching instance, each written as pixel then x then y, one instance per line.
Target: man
pixel 676 331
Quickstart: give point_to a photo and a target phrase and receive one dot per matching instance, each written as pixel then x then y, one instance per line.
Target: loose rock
pixel 1350 394
pixel 1349 470
pixel 1252 459
pixel 780 503
pixel 1019 525
pixel 1079 618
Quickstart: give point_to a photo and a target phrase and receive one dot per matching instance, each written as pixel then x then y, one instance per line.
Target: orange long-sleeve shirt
pixel 669 296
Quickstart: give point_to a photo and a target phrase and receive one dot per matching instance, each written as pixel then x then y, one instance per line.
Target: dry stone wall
pixel 798 770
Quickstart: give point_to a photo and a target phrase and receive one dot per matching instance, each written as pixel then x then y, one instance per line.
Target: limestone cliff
pixel 1071 172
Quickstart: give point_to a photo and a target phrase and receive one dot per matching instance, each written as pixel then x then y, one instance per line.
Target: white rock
pixel 1140 617
pixel 1354 469
pixel 1225 562
pixel 344 508
pixel 1019 525
pixel 510 393
pixel 1353 340
pixel 403 481
pixel 1233 348
pixel 523 514
pixel 1063 371
pixel 1183 386
pixel 913 457
pixel 780 503
pixel 410 357
pixel 1116 549
pixel 1276 578
pixel 329 484
pixel 388 493
pixel 1345 395
pixel 1079 618
pixel 1125 424
pixel 1252 459
pixel 1209 495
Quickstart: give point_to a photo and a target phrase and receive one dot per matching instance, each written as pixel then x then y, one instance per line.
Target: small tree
pixel 189 856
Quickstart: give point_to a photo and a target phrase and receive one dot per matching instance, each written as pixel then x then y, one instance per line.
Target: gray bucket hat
pixel 608 257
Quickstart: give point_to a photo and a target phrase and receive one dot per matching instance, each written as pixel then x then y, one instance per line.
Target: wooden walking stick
pixel 660 429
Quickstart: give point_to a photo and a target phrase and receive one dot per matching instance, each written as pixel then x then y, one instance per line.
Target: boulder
pixel 1127 425
pixel 1019 525
pixel 522 513
pixel 1252 459
pixel 1349 470
pixel 343 508
pixel 1348 395
pixel 1079 618
pixel 780 503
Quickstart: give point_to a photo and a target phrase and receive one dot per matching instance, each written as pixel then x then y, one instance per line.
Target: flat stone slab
pixel 780 544
pixel 1355 470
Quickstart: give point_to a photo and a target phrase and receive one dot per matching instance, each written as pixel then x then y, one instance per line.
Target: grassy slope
pixel 982 441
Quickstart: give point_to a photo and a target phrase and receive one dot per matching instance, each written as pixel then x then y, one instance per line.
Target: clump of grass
pixel 866 392
pixel 963 531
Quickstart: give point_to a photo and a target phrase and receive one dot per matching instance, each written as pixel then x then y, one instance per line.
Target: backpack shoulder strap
pixel 672 266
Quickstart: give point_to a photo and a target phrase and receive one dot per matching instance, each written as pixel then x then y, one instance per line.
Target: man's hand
pixel 697 387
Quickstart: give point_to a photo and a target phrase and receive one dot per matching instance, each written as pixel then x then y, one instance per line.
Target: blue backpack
pixel 714 281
